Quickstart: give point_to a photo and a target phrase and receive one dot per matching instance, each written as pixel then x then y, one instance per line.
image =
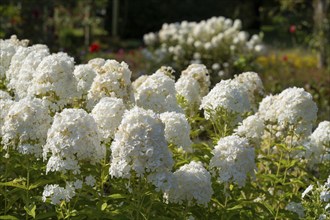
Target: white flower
pixel 193 185
pixel 177 130
pixel 108 114
pixel 200 73
pixel 228 94
pixel 21 81
pixel 58 194
pixel 4 95
pixel 253 84
pixel 293 109
pixel 5 105
pixel 90 180
pixel 139 145
pixel 322 217
pixel 8 50
pixel 53 79
pixel 150 38
pixel 234 160
pixel 296 208
pixel 25 126
pixel 72 137
pixel 157 93
pixel 78 184
pixel 113 80
pixel 307 190
pixel 84 75
pixel 251 128
pixel 188 88
pixel 318 147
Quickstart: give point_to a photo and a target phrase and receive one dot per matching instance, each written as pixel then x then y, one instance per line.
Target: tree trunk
pixel 321 31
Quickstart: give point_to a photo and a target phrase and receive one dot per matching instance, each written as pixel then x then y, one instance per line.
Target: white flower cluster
pixel 57 194
pixel 319 143
pixel 8 50
pixel 108 114
pixel 193 84
pixel 177 130
pixel 228 94
pixel 5 103
pixel 193 184
pixel 319 194
pixel 252 128
pixel 21 72
pixel 113 79
pixel 157 92
pixel 25 126
pixel 253 84
pixel 54 79
pixel 296 208
pixel 139 145
pixel 73 137
pixel 217 42
pixel 233 158
pixel 293 110
pixel 84 75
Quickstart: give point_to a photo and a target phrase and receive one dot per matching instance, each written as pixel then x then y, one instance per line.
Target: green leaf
pixel 8 217
pixel 14 183
pixel 31 210
pixel 117 196
pixel 104 206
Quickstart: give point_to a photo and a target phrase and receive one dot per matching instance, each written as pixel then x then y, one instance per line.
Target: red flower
pixel 285 58
pixel 94 47
pixel 292 29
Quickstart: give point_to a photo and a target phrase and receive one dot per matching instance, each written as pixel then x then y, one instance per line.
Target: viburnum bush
pixel 85 142
pixel 218 43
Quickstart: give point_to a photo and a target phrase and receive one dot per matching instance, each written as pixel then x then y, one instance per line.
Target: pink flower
pixel 292 29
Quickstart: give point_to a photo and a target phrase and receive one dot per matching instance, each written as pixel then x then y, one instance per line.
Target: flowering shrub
pixel 85 142
pixel 219 43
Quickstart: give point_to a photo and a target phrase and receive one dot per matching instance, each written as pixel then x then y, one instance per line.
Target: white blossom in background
pixel 293 109
pixel 108 114
pixel 150 38
pixel 57 194
pixel 228 94
pixel 21 81
pixel 193 184
pixel 90 180
pixel 25 126
pixel 73 137
pixel 177 130
pixel 139 146
pixel 113 80
pixel 318 146
pixel 200 73
pixel 8 50
pixel 252 128
pixel 54 80
pixel 253 84
pixel 157 93
pixel 84 75
pixel 296 208
pixel 209 41
pixel 234 160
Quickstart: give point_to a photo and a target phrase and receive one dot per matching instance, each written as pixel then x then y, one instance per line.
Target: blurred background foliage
pixel 296 33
